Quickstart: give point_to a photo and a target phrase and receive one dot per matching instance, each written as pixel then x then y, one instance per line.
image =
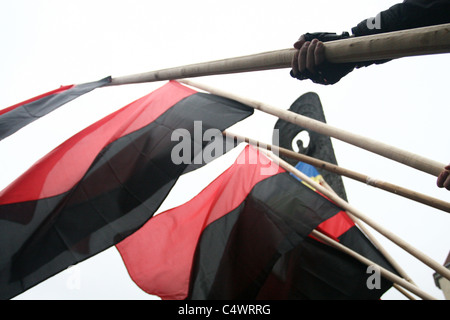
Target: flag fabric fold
pixel 19 115
pixel 102 184
pixel 246 236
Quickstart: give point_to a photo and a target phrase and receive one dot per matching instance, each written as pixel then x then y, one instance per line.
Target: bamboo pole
pixel 384 272
pixel 374 241
pixel 355 212
pixel 410 159
pixel 397 281
pixel 391 45
pixel 358 222
pixel 404 292
pixel 384 252
pixel 392 188
pixel 397 284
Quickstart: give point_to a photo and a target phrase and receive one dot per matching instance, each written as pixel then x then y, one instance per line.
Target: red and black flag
pixel 102 184
pixel 246 236
pixel 19 115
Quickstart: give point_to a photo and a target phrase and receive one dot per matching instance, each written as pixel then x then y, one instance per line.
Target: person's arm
pixel 309 60
pixel 406 15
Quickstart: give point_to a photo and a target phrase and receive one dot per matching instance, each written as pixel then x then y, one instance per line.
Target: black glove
pixel 327 73
pixel 330 73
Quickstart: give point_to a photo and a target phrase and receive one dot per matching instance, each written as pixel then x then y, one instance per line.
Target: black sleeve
pixel 406 15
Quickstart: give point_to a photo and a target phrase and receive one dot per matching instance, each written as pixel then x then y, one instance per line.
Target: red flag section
pixel 62 168
pixel 245 236
pixel 159 255
pixel 100 185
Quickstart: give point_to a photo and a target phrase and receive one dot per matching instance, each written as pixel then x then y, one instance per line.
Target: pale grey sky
pixel 403 103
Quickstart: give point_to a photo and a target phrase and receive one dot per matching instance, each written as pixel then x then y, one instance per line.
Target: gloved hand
pixel 443 180
pixel 309 60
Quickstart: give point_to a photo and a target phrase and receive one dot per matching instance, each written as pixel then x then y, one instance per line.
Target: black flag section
pixel 23 114
pixel 102 184
pixel 319 145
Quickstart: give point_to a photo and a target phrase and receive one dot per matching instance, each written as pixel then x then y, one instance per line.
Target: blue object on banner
pixel 309 170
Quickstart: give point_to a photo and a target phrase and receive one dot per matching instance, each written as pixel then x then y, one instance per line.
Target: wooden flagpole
pixel 355 212
pixel 384 272
pixel 378 245
pixel 399 283
pixel 317 163
pixel 391 45
pixel 404 292
pixel 410 159
pixel 395 189
pixel 374 240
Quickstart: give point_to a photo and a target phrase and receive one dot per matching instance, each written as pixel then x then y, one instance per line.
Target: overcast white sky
pixel 404 103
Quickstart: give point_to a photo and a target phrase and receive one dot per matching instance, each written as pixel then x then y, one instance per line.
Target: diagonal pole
pixel 405 157
pixel 355 212
pixel 377 244
pixel 395 189
pixel 312 161
pixel 397 281
pixel 384 272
